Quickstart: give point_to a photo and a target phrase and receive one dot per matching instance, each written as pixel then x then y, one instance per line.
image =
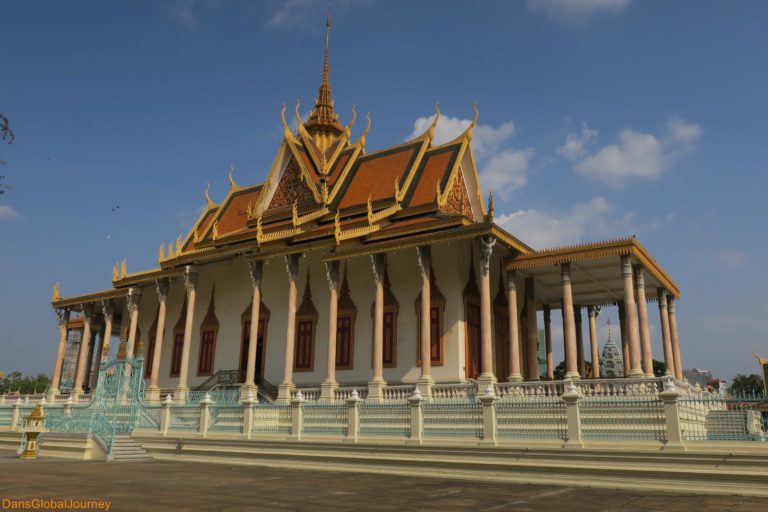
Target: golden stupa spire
pixel 323 119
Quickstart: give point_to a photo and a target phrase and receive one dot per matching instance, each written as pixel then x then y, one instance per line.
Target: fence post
pixel 248 415
pixel 670 396
pixel 573 416
pixel 488 399
pixel 205 414
pixel 297 415
pixel 165 415
pixel 353 417
pixel 15 413
pixel 417 417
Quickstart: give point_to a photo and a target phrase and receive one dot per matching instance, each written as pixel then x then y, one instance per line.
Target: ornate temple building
pixel 611 360
pixel 349 266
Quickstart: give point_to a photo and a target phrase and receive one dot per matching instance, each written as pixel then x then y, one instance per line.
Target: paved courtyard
pixel 159 486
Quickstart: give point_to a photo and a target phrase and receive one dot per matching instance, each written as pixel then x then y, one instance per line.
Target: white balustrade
pixel 399 392
pixel 454 391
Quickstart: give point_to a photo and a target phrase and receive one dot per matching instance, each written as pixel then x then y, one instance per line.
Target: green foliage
pixel 559 371
pixel 15 382
pixel 659 368
pixel 746 385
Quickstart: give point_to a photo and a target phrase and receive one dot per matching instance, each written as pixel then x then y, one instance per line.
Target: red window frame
pixel 305 345
pixel 178 348
pixel 344 342
pixel 207 352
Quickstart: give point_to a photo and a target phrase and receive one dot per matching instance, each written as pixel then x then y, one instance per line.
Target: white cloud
pixel 506 171
pixel 636 154
pixel 682 131
pixel 541 229
pixel 576 11
pixel 7 213
pixel 485 138
pixel 575 143
pixel 639 154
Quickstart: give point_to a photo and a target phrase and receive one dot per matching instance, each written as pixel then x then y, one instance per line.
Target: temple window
pixel 501 326
pixel 149 352
pixel 436 318
pixel 306 321
pixel 178 341
pixel 245 320
pixel 473 361
pixel 208 331
pixel 345 327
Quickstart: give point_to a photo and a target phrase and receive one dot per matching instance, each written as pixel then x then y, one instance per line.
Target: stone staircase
pixel 126 449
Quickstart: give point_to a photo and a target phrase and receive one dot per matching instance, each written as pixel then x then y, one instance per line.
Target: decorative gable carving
pixel 457 201
pixel 291 188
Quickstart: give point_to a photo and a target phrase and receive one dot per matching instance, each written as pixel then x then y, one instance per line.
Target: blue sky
pixel 598 118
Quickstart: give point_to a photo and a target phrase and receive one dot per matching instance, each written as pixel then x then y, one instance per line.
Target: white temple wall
pixel 233 295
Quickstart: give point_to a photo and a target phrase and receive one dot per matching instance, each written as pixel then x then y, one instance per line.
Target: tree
pixel 746 385
pixel 15 382
pixel 559 370
pixel 659 368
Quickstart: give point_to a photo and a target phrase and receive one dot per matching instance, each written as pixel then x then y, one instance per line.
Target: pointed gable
pixel 291 188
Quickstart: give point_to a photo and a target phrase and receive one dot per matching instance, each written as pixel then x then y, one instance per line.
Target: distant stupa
pixel 611 362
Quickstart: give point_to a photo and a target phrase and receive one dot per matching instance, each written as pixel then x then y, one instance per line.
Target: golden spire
pixel 56 295
pixel 323 118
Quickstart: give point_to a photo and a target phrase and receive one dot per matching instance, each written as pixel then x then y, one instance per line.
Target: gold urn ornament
pixel 34 424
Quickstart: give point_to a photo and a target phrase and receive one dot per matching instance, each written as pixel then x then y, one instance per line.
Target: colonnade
pixel 635 320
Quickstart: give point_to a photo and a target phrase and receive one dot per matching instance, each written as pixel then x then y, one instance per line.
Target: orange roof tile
pixel 434 169
pixel 374 175
pixel 235 213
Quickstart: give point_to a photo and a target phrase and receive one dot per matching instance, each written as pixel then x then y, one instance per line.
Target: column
pixel 548 342
pixel 134 298
pixel 569 327
pixel 630 312
pixel 255 269
pixel 108 310
pixel 579 341
pixel 425 381
pixel 376 385
pixel 62 318
pixel 190 286
pixel 642 314
pixel 285 388
pixel 624 336
pixel 532 331
pixel 673 337
pixel 486 378
pixel 514 329
pixel 77 388
pixel 592 312
pixel 329 386
pixel 89 362
pixel 666 338
pixel 153 391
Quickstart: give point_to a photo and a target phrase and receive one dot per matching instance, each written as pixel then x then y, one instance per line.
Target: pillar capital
pixel 639 276
pixel 62 316
pixel 255 268
pixel 511 284
pixel 134 295
pixel 87 312
pixel 292 266
pixel 190 278
pixel 424 254
pixel 593 311
pixel 662 297
pixel 671 304
pixel 161 285
pixel 565 273
pixel 379 263
pixel 486 250
pixel 626 266
pixel 108 309
pixel 332 274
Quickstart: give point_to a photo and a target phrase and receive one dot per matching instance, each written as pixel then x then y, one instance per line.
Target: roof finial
pixel 325 62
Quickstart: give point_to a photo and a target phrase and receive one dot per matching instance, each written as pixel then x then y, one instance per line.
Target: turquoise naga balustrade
pixel 385 419
pixel 117 405
pixel 713 417
pixel 272 419
pixel 453 418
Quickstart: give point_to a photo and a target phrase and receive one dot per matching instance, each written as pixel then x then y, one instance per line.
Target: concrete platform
pixel 190 486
